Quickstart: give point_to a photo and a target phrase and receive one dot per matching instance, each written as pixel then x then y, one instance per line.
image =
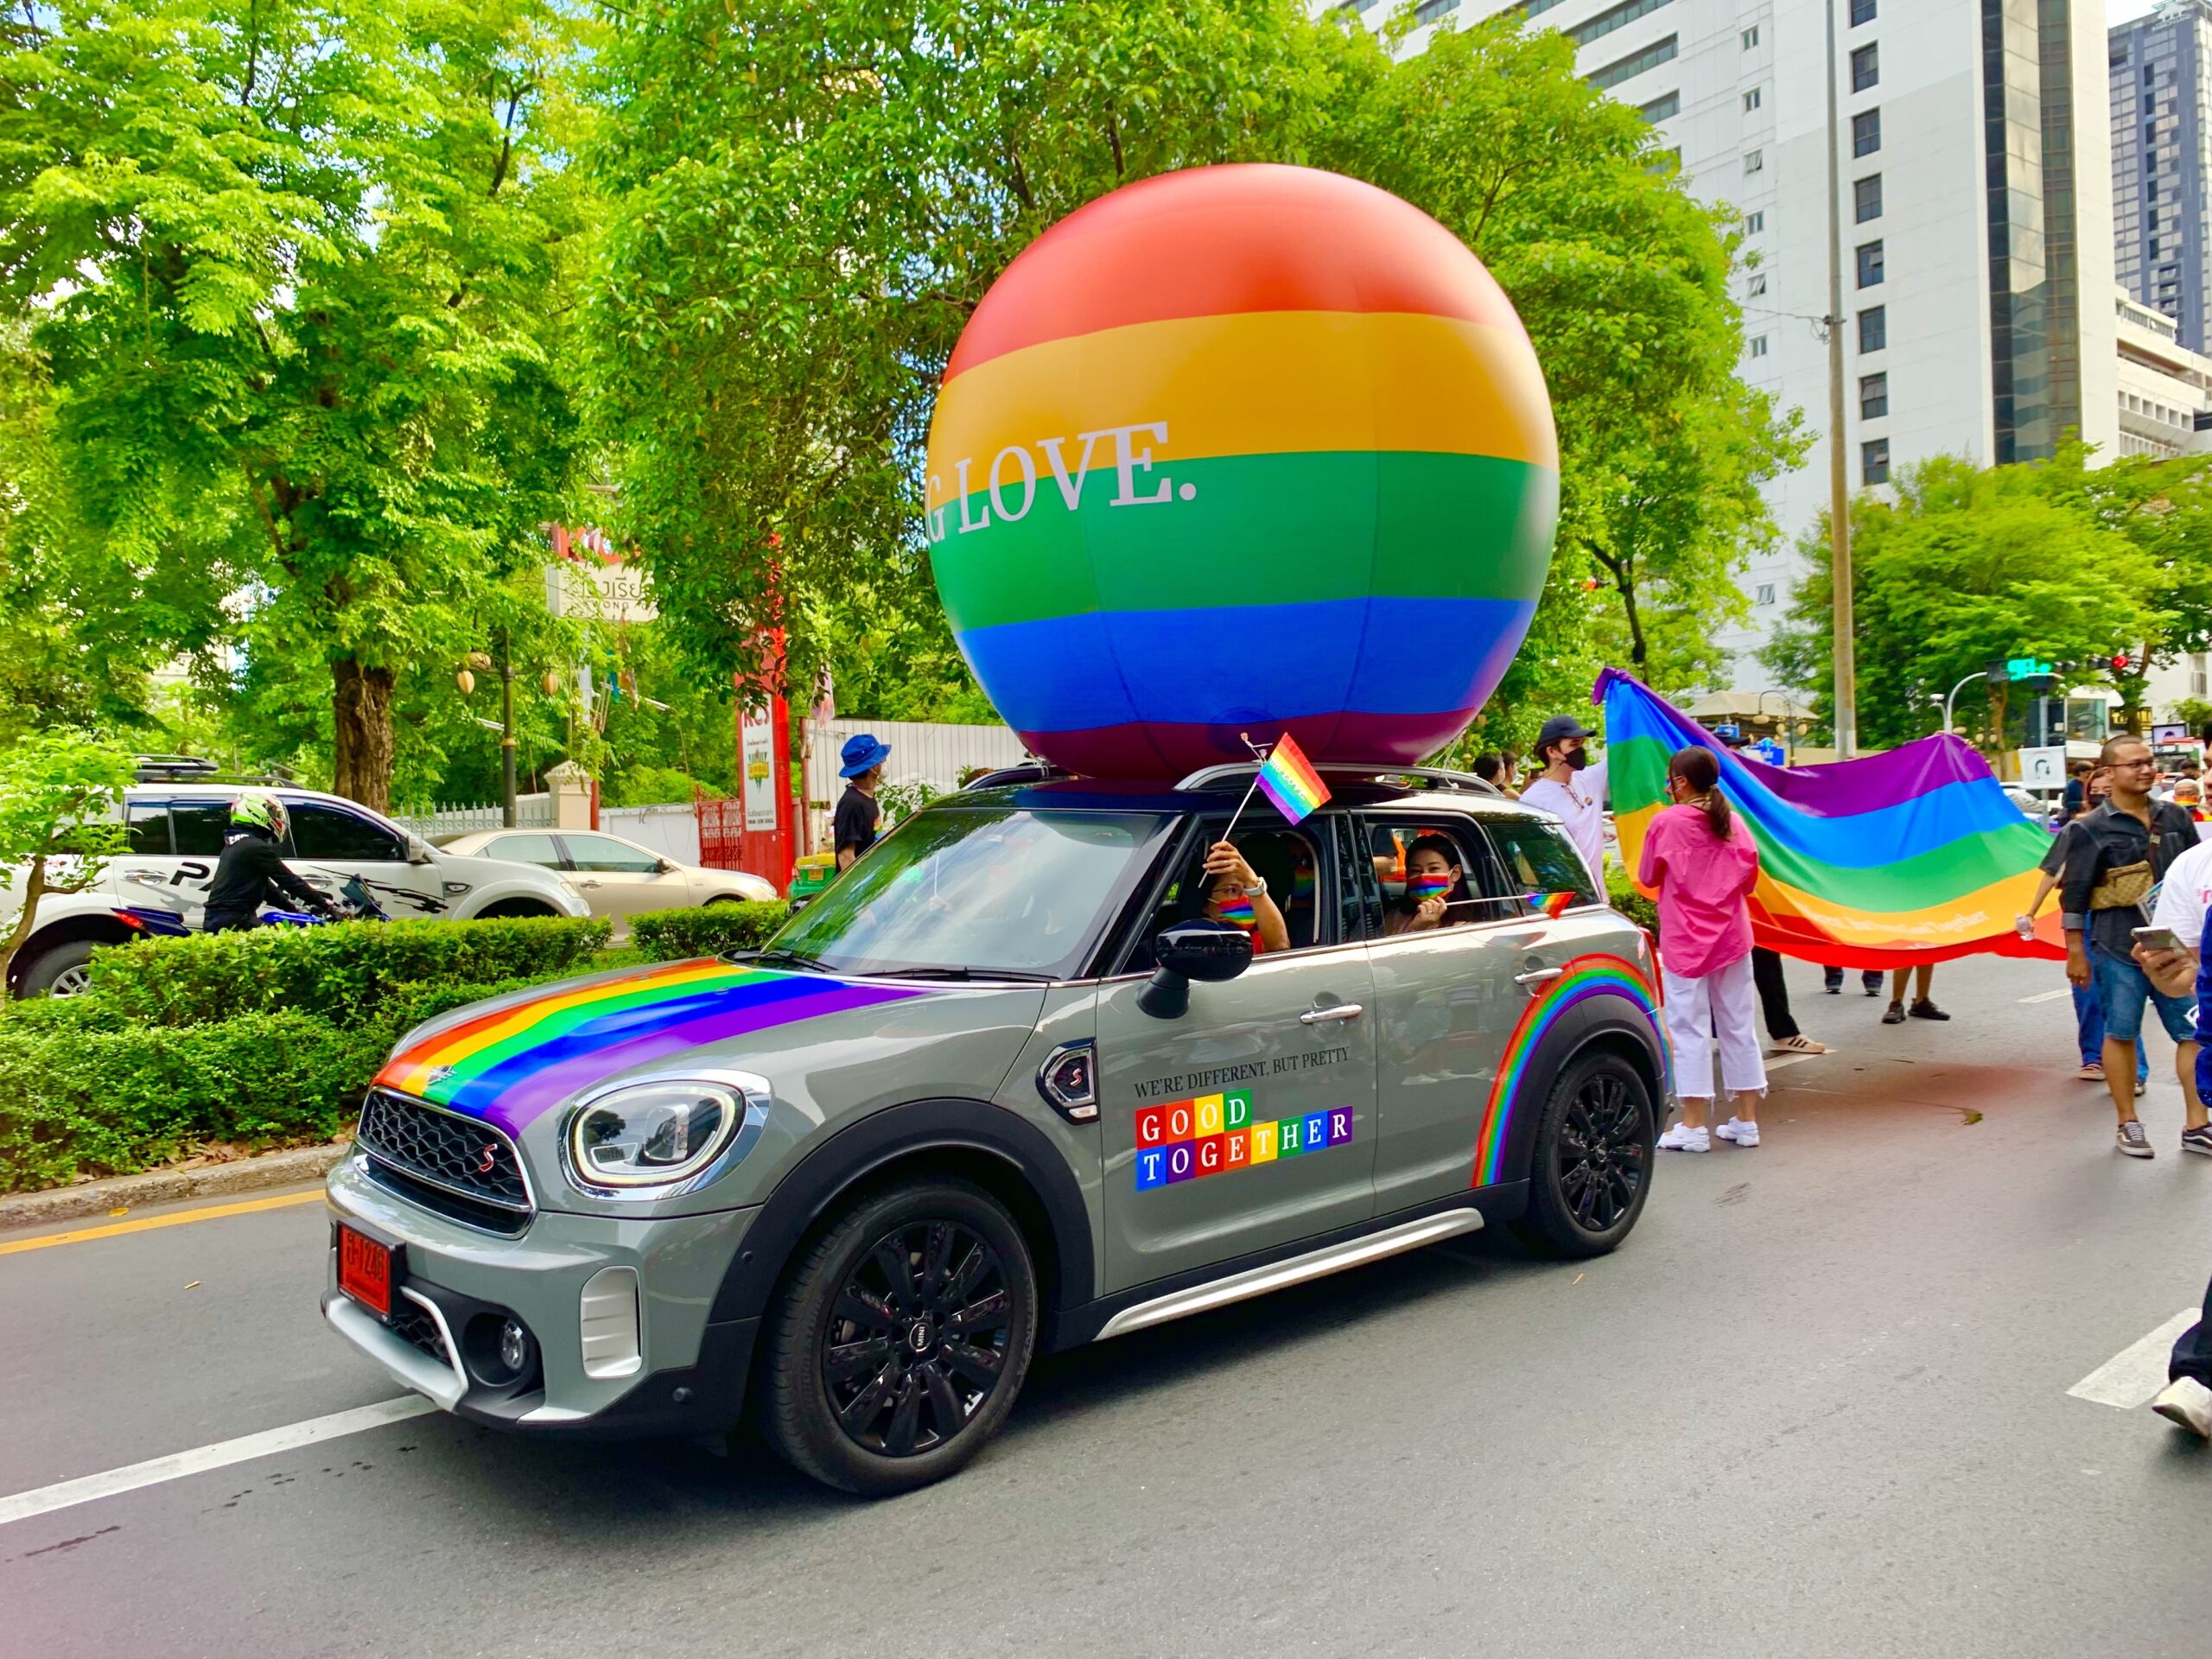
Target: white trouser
pixel 1722 1005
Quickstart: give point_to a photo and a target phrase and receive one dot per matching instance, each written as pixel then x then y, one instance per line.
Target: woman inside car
pixel 1436 889
pixel 1228 890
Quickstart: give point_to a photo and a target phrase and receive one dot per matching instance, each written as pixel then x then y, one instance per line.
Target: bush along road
pixel 268 1039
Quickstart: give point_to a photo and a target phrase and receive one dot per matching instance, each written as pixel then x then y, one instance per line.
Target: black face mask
pixel 1575 758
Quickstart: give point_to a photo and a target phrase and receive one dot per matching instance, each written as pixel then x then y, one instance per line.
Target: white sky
pixel 2125 11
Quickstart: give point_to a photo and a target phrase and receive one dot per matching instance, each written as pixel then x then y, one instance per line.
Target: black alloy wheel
pixel 916 1340
pixel 1591 1168
pixel 902 1338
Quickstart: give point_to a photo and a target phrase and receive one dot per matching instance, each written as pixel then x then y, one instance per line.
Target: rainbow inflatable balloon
pixel 1241 448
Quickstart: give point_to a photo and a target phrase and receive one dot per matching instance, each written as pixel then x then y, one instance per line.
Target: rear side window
pixel 146 825
pixel 526 850
pixel 1539 858
pixel 200 827
pixel 320 832
pixel 605 852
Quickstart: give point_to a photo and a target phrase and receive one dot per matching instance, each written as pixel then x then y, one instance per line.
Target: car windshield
pixel 982 890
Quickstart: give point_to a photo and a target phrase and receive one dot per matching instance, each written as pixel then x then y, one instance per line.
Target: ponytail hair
pixel 1697 768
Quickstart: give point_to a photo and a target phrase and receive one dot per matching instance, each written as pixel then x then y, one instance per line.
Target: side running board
pixel 1280 1276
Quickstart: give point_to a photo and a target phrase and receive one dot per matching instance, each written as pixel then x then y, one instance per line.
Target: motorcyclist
pixel 251 872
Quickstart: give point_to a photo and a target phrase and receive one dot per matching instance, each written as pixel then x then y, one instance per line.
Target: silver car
pixel 618 877
pixel 1007 1086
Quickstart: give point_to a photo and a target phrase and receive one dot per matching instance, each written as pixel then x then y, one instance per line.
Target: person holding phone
pixel 2171 953
pixel 2117 856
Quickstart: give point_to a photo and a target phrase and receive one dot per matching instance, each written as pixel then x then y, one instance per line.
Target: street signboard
pixel 1728 730
pixel 2043 768
pixel 1769 750
pixel 757 752
pixel 2176 732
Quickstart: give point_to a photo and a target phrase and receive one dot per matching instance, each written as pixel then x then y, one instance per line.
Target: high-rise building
pixel 1976 180
pixel 2161 162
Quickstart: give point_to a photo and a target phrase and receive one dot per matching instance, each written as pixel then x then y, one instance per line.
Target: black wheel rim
pixel 916 1340
pixel 1601 1153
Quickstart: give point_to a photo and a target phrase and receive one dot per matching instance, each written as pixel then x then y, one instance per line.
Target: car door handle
pixel 1335 1011
pixel 587 883
pixel 1537 975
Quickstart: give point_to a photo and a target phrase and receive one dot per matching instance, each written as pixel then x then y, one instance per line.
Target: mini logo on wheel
pixel 918 1337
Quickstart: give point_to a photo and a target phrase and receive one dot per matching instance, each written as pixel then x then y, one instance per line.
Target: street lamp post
pixel 507 730
pixel 1846 700
pixel 1953 693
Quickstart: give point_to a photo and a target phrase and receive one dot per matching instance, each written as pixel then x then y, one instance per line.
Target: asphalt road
pixel 1817 1406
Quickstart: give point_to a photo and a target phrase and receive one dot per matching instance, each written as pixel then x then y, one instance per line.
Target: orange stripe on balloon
pixel 1215 240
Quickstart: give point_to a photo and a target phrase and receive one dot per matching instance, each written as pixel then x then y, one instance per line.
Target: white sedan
pixel 618 877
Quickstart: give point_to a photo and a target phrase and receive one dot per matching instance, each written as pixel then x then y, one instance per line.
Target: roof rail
pixel 1237 773
pixel 1035 772
pixel 197 769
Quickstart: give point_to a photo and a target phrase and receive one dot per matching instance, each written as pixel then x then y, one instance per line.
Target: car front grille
pixel 457 1165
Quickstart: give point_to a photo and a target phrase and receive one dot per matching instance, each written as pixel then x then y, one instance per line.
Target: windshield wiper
pixel 787 959
pixel 960 973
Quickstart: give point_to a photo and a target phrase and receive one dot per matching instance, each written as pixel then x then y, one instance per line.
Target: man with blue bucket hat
pixel 861 764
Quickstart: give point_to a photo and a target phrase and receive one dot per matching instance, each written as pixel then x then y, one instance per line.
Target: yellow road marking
pixel 246 1207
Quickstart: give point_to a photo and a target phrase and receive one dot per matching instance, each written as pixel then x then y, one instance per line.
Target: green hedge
pixel 344 973
pixel 675 935
pixel 85 1091
pixel 1621 892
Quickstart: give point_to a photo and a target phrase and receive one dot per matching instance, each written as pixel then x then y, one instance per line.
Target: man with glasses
pixel 2120 853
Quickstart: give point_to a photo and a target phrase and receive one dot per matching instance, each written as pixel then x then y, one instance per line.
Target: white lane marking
pixel 2050 996
pixel 22 1506
pixel 2131 1377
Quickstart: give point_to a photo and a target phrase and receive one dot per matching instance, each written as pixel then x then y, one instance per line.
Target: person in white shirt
pixel 2183 897
pixel 1572 788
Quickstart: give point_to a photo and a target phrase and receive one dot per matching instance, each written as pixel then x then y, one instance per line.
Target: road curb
pixel 169 1186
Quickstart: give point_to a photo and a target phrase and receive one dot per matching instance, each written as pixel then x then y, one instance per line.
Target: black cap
pixel 1558 726
pixel 1734 739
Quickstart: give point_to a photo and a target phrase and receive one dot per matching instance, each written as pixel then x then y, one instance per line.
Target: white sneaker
pixel 1743 1134
pixel 2187 1402
pixel 1681 1138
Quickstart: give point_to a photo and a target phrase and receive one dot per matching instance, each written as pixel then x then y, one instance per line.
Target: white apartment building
pixel 1966 330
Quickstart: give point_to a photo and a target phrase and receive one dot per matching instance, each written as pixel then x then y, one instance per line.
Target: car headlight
pixel 658 1132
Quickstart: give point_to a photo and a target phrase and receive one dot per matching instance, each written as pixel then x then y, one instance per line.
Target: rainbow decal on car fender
pixel 1582 978
pixel 509 1066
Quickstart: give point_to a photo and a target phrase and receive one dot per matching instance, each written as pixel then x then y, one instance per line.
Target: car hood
pixel 512 1060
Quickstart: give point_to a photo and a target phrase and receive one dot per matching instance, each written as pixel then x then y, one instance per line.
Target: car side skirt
pixel 1262 1271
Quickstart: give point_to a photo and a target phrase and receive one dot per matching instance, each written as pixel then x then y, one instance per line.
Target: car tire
pixel 59 969
pixel 887 1401
pixel 1590 1170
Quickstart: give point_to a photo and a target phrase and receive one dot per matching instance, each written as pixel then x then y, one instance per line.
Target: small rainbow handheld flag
pixel 1287 778
pixel 1551 904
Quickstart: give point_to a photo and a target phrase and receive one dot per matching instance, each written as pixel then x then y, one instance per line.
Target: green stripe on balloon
pixel 1264 529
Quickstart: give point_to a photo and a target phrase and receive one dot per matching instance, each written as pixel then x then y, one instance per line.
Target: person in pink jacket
pixel 1704 865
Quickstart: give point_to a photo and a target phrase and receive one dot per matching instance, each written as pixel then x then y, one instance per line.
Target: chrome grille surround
pixel 462 1168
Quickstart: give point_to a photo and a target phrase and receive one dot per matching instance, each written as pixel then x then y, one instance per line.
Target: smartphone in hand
pixel 2157 938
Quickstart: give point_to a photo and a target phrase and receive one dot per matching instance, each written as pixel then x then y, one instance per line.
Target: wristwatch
pixel 1258 891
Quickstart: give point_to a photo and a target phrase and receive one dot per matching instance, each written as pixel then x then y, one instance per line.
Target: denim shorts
pixel 2122 987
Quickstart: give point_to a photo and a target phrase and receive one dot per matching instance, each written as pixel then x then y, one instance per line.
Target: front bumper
pixel 662 1370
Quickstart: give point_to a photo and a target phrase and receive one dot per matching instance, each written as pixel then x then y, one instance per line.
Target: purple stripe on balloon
pixel 1837 789
pixel 1128 751
pixel 529 1097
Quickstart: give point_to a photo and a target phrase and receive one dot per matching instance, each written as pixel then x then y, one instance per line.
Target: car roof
pixel 158 790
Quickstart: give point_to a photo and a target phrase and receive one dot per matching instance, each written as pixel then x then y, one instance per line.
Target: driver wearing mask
pixel 251 872
pixel 1571 788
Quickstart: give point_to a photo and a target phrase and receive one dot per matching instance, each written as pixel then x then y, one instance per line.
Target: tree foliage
pixel 1968 566
pixel 60 820
pixel 295 268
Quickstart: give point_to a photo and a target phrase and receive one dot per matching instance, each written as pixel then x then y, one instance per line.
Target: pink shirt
pixel 1703 923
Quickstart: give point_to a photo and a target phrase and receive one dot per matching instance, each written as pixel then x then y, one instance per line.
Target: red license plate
pixel 364 1270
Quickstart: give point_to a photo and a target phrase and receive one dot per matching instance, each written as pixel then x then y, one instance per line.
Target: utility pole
pixel 1845 709
pixel 506 728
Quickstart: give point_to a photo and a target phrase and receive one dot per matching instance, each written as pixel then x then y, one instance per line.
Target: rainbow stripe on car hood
pixel 511 1064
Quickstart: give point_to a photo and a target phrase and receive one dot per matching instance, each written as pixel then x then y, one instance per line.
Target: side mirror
pixel 1205 951
pixel 668 867
pixel 418 852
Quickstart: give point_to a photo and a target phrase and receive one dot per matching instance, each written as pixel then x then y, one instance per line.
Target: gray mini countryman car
pixel 1049 1064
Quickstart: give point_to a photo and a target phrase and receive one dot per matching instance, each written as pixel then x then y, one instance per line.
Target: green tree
pixel 1969 565
pixel 60 820
pixel 298 271
pixel 811 202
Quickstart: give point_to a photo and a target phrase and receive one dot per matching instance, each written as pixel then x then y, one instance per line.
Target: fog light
pixel 514 1347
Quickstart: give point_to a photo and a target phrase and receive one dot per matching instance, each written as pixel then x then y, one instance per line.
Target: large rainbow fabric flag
pixel 1915 855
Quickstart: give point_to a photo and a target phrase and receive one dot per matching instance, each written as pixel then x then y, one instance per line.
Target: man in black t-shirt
pixel 861 764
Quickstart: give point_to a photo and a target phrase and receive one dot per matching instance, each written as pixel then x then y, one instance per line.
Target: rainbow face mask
pixel 1237 912
pixel 1422 887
